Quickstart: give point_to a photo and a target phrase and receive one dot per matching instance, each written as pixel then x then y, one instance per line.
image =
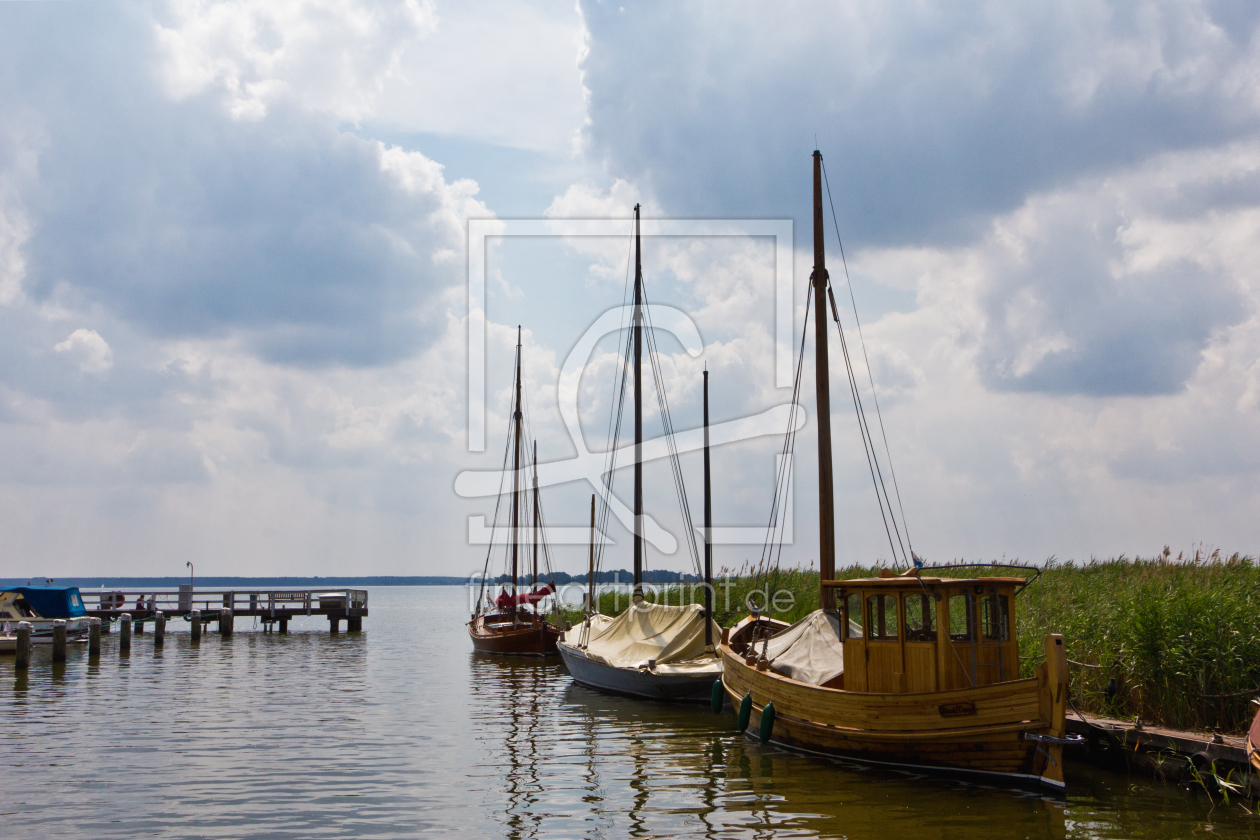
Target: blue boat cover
pixel 52 601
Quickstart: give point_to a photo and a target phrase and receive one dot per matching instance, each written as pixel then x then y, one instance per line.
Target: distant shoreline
pixel 222 582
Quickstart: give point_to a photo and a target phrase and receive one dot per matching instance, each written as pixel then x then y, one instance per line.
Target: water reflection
pixel 402 730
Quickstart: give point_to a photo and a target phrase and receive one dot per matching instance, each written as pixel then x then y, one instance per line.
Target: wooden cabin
pixel 906 635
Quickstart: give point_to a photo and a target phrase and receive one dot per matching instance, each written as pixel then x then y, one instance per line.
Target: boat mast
pixel 590 574
pixel 516 473
pixel 826 503
pixel 708 528
pixel 638 415
pixel 536 515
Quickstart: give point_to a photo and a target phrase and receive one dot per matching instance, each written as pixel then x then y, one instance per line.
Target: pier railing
pixel 264 603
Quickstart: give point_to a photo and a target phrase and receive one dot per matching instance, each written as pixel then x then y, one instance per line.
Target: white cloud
pixel 88 349
pixel 329 55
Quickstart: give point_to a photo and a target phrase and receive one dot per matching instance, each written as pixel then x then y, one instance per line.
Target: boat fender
pixel 745 712
pixel 767 723
pixel 718 696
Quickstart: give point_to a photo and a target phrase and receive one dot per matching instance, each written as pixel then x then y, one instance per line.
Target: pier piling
pixel 196 625
pixel 59 640
pixel 159 628
pixel 284 625
pixel 334 624
pixel 23 649
pixel 124 632
pixel 225 623
pixel 94 636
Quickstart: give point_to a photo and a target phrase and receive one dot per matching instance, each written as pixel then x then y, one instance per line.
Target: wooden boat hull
pixel 535 637
pixel 965 731
pixel 637 682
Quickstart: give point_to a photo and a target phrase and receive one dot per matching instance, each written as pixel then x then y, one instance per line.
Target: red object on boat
pixel 505 600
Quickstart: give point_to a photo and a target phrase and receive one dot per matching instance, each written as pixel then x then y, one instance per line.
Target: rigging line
pixel 785 466
pixel 767 547
pixel 607 478
pixel 667 423
pixel 867 445
pixel 862 340
pixel 507 448
pixel 495 521
pixel 619 385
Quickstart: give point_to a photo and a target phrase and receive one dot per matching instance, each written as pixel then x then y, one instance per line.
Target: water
pixel 402 730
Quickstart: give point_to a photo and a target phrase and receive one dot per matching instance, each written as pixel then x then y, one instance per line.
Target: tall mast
pixel 590 574
pixel 826 503
pixel 708 527
pixel 638 414
pixel 536 514
pixel 516 471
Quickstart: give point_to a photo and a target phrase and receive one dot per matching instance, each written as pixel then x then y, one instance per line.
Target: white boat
pixel 651 650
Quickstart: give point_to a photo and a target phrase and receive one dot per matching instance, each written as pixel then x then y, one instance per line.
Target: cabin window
pixel 960 618
pixel 920 618
pixel 74 599
pixel 853 616
pixel 994 617
pixel 883 617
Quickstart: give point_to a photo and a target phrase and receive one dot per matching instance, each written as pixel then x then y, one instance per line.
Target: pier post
pixel 354 625
pixel 94 637
pixel 334 624
pixel 159 628
pixel 284 625
pixel 225 623
pixel 124 632
pixel 23 649
pixel 196 625
pixel 59 640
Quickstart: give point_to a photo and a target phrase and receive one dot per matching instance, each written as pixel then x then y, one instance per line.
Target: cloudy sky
pixel 235 271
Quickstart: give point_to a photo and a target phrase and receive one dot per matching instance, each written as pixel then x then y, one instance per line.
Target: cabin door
pixel 885 671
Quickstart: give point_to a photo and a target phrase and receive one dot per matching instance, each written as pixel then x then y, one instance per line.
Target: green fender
pixel 745 712
pixel 718 697
pixel 767 722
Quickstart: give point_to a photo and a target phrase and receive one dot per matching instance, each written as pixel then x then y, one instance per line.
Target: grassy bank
pixel 1166 636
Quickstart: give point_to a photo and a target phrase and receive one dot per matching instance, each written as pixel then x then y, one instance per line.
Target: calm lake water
pixel 401 730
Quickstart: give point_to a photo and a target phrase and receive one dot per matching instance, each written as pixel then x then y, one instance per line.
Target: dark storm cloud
pixel 168 214
pixel 932 117
pixel 935 120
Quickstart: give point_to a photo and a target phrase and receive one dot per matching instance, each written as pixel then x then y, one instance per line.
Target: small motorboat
pixel 41 606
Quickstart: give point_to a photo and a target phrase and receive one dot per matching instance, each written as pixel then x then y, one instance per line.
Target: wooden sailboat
pixel 905 669
pixel 616 654
pixel 514 625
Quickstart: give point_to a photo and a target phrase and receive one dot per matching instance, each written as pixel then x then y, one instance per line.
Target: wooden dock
pixel 274 607
pixel 1166 753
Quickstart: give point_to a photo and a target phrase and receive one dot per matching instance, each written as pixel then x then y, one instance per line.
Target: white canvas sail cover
pixel 810 650
pixel 672 636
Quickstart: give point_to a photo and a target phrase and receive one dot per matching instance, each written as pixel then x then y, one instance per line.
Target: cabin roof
pixel 915 581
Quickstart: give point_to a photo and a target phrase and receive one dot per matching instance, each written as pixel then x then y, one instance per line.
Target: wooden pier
pixel 1170 754
pixel 273 607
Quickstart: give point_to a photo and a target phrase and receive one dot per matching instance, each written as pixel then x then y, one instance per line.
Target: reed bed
pixel 1170 640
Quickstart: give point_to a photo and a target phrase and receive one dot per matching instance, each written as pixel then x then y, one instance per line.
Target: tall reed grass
pixel 1165 636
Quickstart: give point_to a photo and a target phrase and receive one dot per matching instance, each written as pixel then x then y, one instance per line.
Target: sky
pixel 238 281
